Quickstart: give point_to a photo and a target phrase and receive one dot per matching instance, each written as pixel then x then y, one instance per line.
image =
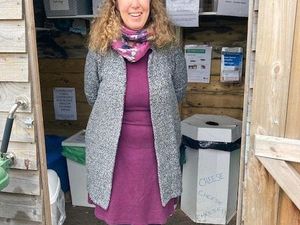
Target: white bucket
pixel 57 199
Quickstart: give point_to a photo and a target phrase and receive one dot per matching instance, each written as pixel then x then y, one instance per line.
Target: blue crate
pixel 56 161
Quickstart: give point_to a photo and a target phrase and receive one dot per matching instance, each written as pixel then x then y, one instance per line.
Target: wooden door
pixel 26 200
pixel 272 115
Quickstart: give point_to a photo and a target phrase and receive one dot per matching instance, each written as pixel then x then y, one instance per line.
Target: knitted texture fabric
pixel 105 85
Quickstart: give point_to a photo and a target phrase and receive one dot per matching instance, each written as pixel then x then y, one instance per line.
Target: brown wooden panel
pixel 11 9
pixel 65 127
pixel 51 80
pixel 9 91
pixel 23 182
pixel 272 73
pixel 61 66
pixel 20 131
pixel 214 100
pixel 14 67
pixel 12 38
pixel 286 177
pixel 235 113
pixel 21 207
pixel 288 212
pixel 216 86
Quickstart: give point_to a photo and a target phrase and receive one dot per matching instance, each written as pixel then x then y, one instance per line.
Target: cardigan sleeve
pixel 91 77
pixel 180 74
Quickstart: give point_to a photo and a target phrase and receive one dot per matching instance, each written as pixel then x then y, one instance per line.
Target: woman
pixel 134 77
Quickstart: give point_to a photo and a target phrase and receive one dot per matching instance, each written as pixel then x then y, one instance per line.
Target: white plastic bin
pixel 57 199
pixel 77 172
pixel 210 176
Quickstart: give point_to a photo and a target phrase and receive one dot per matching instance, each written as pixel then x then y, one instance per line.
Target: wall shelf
pixel 72 17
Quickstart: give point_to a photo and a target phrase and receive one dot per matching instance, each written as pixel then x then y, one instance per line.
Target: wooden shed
pixel 268 102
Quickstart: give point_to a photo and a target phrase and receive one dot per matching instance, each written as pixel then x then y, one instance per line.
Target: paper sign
pixel 233 8
pixel 59 4
pixel 198 60
pixel 64 103
pixel 184 13
pixel 231 64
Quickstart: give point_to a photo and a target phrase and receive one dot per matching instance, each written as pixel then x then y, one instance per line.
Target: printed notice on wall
pixel 64 103
pixel 183 13
pixel 198 60
pixel 233 8
pixel 59 4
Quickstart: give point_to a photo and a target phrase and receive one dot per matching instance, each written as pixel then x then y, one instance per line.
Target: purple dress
pixel 135 197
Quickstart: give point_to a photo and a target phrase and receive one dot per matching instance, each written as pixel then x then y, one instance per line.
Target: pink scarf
pixel 133 44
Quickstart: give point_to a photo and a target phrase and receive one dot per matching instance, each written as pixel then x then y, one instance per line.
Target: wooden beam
pixel 20 131
pixel 12 38
pixel 11 9
pixel 246 110
pixel 38 112
pixel 277 148
pixel 21 207
pixel 286 176
pixel 9 91
pixel 23 182
pixel 14 67
pixel 25 155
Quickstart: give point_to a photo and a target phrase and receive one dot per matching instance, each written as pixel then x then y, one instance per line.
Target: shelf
pixel 207 13
pixel 72 17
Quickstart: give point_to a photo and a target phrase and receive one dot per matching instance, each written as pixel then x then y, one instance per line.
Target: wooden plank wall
pixel 275 106
pixel 21 201
pixel 61 64
pixel 216 97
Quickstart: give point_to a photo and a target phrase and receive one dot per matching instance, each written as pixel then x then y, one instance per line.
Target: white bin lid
pixel 54 185
pixel 217 128
pixel 76 140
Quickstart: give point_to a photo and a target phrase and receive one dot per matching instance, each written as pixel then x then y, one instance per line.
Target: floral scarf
pixel 134 43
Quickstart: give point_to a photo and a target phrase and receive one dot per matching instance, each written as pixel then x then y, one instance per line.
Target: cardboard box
pixel 55 8
pixel 77 172
pixel 210 176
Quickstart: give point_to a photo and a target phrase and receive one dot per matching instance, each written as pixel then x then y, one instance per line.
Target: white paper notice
pixel 59 4
pixel 183 13
pixel 233 8
pixel 198 60
pixel 64 103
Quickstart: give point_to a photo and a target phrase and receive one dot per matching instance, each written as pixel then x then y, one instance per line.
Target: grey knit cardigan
pixel 104 86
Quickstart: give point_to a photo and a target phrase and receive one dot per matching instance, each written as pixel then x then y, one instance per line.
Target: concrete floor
pixel 85 216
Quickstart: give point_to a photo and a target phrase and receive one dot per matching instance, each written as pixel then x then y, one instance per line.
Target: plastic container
pixel 57 200
pixel 77 169
pixel 55 159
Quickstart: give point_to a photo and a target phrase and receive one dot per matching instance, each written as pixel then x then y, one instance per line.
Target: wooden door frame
pixel 272 114
pixel 37 108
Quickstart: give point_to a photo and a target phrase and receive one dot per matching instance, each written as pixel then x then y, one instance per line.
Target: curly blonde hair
pixel 106 27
